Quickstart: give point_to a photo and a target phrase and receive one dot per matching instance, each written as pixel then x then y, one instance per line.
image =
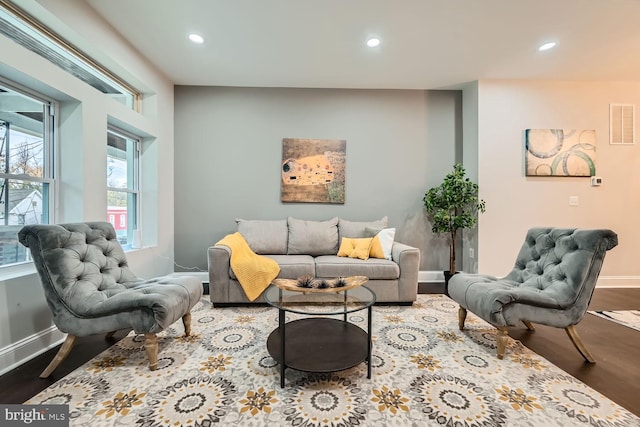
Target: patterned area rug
pixel 628 318
pixel 424 372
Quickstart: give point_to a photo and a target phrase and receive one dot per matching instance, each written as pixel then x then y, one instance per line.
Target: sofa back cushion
pixel 312 237
pixel 265 237
pixel 358 229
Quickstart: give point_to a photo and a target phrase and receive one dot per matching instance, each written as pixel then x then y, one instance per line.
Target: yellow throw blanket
pixel 254 272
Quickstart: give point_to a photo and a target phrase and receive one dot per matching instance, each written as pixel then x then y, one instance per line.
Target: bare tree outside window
pixel 24 184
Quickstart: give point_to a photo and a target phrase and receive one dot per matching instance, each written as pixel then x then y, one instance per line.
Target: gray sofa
pixel 310 248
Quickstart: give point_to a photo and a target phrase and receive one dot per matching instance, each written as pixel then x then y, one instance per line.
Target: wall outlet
pixel 471 253
pixel 573 200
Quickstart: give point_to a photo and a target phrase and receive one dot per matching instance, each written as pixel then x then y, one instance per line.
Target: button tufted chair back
pixel 562 263
pixel 91 290
pixel 551 283
pixel 81 264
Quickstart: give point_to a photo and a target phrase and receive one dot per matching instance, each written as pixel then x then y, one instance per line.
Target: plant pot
pixel 447 276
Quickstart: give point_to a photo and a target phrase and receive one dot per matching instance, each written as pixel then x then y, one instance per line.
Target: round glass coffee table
pixel 319 343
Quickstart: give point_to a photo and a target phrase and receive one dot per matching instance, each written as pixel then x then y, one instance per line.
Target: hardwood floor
pixel 615 347
pixel 24 382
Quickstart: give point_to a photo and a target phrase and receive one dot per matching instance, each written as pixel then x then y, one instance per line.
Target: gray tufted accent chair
pixel 91 290
pixel 551 283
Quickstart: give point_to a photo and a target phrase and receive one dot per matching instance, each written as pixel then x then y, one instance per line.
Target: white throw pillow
pixel 382 243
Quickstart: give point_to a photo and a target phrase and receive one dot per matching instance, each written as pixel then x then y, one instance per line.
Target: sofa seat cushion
pixel 373 268
pixel 291 266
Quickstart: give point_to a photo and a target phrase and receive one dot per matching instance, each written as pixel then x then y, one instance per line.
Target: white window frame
pixel 49 132
pixel 133 184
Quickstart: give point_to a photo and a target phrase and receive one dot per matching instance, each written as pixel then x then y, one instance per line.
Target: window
pixel 123 183
pixel 26 168
pixel 25 30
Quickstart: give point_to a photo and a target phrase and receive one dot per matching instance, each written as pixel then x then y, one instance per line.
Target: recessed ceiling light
pixel 373 42
pixel 547 46
pixel 196 38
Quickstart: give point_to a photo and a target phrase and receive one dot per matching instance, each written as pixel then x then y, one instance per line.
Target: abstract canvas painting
pixel 313 170
pixel 560 152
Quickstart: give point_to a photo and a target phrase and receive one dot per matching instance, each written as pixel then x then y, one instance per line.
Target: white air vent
pixel 621 124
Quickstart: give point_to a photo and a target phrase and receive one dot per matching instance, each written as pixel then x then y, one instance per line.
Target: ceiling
pixel 426 44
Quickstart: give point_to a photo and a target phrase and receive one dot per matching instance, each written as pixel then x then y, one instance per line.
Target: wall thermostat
pixel 595 181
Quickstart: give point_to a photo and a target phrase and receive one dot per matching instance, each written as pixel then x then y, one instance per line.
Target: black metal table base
pixel 319 344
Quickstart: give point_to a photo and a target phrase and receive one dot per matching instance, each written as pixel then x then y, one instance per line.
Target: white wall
pixel 516 202
pixel 25 323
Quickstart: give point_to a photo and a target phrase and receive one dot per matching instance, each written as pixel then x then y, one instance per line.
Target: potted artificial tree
pixel 453 206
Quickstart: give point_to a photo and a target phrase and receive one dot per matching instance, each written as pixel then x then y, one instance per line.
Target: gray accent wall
pixel 228 150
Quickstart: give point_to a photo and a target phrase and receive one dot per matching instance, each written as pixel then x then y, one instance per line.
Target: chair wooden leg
pixel 186 321
pixel 60 356
pixel 501 341
pixel 151 347
pixel 575 339
pixel 529 325
pixel 462 316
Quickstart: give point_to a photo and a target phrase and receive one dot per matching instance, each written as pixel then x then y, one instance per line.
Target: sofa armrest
pixel 219 263
pixel 408 259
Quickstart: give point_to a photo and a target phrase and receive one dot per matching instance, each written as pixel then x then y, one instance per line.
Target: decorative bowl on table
pixel 316 285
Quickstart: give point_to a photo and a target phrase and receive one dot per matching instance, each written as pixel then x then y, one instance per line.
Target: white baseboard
pixel 430 277
pixel 618 282
pixel 603 281
pixel 202 275
pixel 27 348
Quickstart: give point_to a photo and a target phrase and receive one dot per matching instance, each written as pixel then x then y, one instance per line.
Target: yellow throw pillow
pixel 355 248
pixel 382 243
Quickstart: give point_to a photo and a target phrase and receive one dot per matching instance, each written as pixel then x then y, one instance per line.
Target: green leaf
pixel 453 205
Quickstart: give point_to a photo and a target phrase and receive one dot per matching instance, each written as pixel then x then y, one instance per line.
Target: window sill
pixel 128 249
pixel 16 271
